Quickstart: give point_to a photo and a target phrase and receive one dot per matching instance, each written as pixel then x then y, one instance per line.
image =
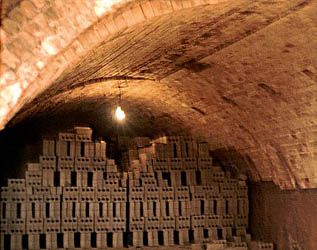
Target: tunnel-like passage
pixel 241 74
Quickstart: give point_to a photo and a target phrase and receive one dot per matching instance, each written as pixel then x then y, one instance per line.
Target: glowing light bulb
pixel 120 115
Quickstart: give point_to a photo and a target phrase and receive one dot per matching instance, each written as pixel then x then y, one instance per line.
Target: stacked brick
pixel 70 199
pixel 179 197
pixel 75 198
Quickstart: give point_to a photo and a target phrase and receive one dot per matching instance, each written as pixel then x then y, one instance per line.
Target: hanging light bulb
pixel 119 113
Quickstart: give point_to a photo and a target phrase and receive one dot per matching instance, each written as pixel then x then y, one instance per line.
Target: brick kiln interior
pixel 239 73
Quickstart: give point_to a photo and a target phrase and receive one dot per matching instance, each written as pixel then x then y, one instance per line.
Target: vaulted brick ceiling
pixel 241 73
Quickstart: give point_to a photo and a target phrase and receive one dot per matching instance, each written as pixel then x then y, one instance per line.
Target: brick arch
pixel 41 39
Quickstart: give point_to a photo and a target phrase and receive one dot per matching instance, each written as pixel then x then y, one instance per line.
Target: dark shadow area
pixel 42 241
pixel 219 233
pixel 109 239
pixel 25 241
pixel 191 238
pixel 93 240
pixel 7 241
pixel 160 238
pixel 145 239
pixel 176 237
pixel 77 240
pixel 60 240
pixel 234 162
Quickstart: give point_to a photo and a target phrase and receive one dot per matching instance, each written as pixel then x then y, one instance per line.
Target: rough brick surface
pixel 285 217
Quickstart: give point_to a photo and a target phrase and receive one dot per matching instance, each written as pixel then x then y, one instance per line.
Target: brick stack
pixel 75 198
pixel 186 198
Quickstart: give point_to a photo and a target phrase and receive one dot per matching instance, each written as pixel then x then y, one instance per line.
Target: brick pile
pixel 172 195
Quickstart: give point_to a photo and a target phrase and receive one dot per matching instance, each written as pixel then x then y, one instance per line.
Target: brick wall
pixel 287 218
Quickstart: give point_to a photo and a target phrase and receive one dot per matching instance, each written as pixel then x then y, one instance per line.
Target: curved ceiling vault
pixel 241 73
